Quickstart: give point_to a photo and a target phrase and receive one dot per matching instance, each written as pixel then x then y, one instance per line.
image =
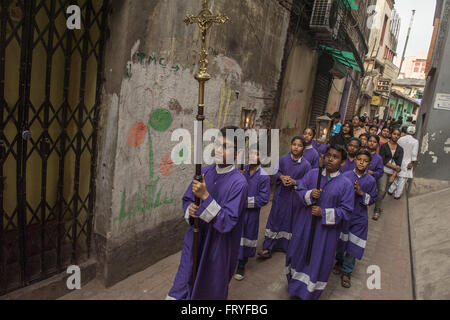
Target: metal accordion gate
pixel 50 89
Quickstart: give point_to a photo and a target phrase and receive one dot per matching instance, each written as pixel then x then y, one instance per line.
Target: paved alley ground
pixel 430 218
pixel 387 247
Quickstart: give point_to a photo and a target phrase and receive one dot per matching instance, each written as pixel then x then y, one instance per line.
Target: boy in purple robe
pixel 310 153
pixel 353 147
pixel 291 169
pixel 258 196
pixel 223 195
pixel 331 206
pixel 376 168
pixel 353 239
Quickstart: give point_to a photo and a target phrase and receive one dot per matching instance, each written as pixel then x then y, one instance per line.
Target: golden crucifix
pixel 205 19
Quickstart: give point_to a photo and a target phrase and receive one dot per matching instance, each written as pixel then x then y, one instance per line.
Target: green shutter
pixel 350 4
pixel 345 58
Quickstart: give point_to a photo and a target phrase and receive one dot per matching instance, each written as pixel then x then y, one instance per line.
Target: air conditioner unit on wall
pixel 326 18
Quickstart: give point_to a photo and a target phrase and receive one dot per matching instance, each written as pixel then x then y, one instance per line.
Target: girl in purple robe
pixel 223 195
pixel 310 153
pixel 291 169
pixel 376 168
pixel 258 196
pixel 353 239
pixel 331 206
pixel 353 148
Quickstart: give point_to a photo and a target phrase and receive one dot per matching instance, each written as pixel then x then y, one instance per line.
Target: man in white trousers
pixel 410 146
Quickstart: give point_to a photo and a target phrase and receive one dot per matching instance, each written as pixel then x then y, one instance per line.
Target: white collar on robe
pixel 333 175
pixel 309 147
pixel 359 177
pixel 299 160
pixel 226 169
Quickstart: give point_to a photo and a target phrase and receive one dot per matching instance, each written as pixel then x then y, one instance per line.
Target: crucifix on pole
pixel 205 19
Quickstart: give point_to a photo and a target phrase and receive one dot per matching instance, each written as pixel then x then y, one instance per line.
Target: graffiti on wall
pixel 147 59
pixel 152 196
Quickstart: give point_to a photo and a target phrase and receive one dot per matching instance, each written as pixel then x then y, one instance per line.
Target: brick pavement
pixel 387 247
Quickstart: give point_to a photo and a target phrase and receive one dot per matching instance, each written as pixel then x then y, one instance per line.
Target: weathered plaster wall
pixel 150 91
pixel 297 89
pixel 434 132
pixel 335 96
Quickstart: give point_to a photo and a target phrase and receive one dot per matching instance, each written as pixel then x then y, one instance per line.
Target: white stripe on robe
pixel 249 243
pixel 357 241
pixel 278 235
pixel 303 277
pixel 210 212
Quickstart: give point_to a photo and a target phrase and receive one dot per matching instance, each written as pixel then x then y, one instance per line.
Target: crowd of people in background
pixel 320 208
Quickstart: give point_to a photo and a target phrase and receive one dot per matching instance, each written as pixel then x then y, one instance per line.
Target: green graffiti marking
pixel 160 120
pixel 153 198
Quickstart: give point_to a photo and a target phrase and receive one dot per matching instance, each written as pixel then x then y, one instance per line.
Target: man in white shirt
pixel 410 146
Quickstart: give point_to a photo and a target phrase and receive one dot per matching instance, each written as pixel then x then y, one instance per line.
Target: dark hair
pixel 404 129
pixel 373 126
pixel 362 119
pixel 350 124
pixel 355 116
pixel 386 127
pixel 364 153
pixel 364 135
pixel 355 139
pixel 396 129
pixel 377 137
pixel 298 138
pixel 336 115
pixel 312 129
pixel 223 132
pixel 340 149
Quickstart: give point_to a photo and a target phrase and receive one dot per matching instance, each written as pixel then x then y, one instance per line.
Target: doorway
pixel 50 86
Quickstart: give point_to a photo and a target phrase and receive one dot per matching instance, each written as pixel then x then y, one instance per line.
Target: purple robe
pixel 354 235
pixel 220 234
pixel 349 166
pixel 312 156
pixel 377 166
pixel 279 225
pixel 320 147
pixel 258 197
pixel 308 281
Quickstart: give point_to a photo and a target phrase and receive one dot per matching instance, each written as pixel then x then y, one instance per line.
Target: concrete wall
pixel 297 89
pixel 335 96
pixel 150 92
pixel 434 132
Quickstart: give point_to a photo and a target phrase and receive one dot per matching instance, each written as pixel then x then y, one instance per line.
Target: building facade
pixel 414 67
pixel 316 77
pixel 403 106
pixel 379 63
pixel 433 172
